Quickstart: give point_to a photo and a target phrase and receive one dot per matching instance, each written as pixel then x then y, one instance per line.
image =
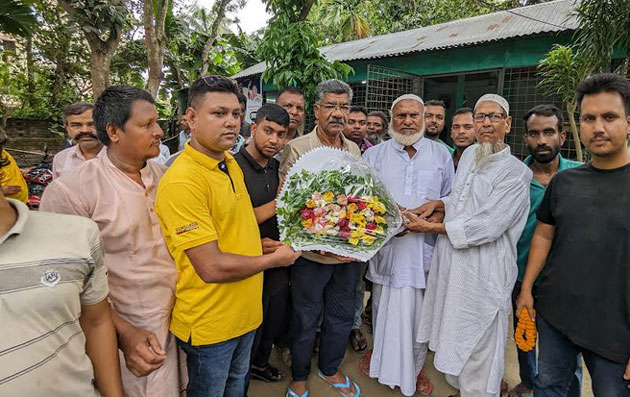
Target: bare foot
pixel 298 387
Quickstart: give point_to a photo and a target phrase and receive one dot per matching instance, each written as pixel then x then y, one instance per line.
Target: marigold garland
pixel 525 333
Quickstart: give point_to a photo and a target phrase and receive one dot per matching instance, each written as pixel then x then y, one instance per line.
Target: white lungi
pixel 397 358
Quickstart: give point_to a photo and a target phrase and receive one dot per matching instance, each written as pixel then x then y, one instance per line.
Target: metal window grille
pixel 384 85
pixel 521 91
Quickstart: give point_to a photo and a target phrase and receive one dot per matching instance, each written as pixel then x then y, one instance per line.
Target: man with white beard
pixel 466 306
pixel 415 171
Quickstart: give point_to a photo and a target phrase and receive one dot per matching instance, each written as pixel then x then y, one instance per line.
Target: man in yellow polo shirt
pixel 210 229
pixel 12 182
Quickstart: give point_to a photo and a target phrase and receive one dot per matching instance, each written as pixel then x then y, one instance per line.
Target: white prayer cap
pixel 498 99
pixel 406 96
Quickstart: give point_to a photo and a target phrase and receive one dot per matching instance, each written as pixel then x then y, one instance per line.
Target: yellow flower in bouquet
pixel 329 196
pixel 368 239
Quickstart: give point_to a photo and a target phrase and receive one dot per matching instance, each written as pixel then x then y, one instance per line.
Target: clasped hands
pixel 425 219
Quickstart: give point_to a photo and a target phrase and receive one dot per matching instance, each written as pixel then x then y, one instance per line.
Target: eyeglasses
pixel 494 117
pixel 329 107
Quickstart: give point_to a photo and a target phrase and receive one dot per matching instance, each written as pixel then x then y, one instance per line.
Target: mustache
pixel 85 135
pixel 539 148
pixel 337 120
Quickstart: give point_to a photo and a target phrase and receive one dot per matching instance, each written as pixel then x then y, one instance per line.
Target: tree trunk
pixel 60 73
pixel 99 71
pixel 306 8
pixel 571 106
pixel 29 70
pixel 214 31
pixel 101 50
pixel 155 42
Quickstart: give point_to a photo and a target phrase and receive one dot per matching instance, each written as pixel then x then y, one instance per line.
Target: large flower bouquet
pixel 332 201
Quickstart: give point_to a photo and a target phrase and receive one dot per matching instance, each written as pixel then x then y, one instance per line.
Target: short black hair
pixel 206 84
pixel 379 114
pixel 463 111
pixel 358 109
pixel 605 82
pixel 273 113
pixel 546 110
pixel 113 106
pixel 242 99
pixel 75 109
pixel 290 90
pixel 435 102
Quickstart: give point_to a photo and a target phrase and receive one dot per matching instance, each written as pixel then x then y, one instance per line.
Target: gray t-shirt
pixel 50 265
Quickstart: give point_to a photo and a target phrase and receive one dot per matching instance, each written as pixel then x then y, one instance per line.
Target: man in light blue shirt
pixel 544 136
pixel 415 170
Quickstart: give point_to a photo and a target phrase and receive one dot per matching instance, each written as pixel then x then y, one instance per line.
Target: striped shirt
pixel 50 265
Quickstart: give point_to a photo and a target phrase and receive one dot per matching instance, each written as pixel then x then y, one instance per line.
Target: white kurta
pixel 398 270
pixel 474 265
pixel 428 175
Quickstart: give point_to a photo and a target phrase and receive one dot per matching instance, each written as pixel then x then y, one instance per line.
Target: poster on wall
pixel 252 89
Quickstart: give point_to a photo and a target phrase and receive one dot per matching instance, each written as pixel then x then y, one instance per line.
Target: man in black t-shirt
pixel 582 247
pixel 260 171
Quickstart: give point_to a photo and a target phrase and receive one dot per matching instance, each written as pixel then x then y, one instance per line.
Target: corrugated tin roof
pixel 551 17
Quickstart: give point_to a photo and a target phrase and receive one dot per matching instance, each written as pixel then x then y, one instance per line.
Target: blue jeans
pixel 557 364
pixel 219 369
pixel 527 365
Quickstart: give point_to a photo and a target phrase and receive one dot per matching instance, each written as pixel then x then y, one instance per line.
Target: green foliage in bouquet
pixel 335 208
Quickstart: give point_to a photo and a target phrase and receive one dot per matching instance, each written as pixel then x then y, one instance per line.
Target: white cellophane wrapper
pixel 332 201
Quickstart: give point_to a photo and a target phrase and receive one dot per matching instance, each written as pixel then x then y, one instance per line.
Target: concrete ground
pixel 371 388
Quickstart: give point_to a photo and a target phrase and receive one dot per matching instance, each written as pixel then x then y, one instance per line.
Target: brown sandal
pixel 358 341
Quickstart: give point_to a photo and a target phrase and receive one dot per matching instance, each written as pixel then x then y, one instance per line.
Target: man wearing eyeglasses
pixel 314 276
pixel 466 305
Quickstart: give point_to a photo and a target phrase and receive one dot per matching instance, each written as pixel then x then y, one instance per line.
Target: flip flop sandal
pixel 358 341
pixel 339 386
pixel 364 364
pixel 291 393
pixel 269 374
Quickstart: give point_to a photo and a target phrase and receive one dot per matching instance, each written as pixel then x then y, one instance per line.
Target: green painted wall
pixel 505 54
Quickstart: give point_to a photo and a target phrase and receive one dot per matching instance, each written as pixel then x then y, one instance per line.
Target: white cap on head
pixel 498 99
pixel 403 97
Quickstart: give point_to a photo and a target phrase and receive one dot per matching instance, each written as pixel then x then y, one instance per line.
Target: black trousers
pixel 274 313
pixel 274 323
pixel 318 288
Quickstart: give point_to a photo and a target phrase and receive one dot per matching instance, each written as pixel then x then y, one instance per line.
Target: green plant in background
pixel 561 72
pixel 604 25
pixel 289 48
pixel 17 18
